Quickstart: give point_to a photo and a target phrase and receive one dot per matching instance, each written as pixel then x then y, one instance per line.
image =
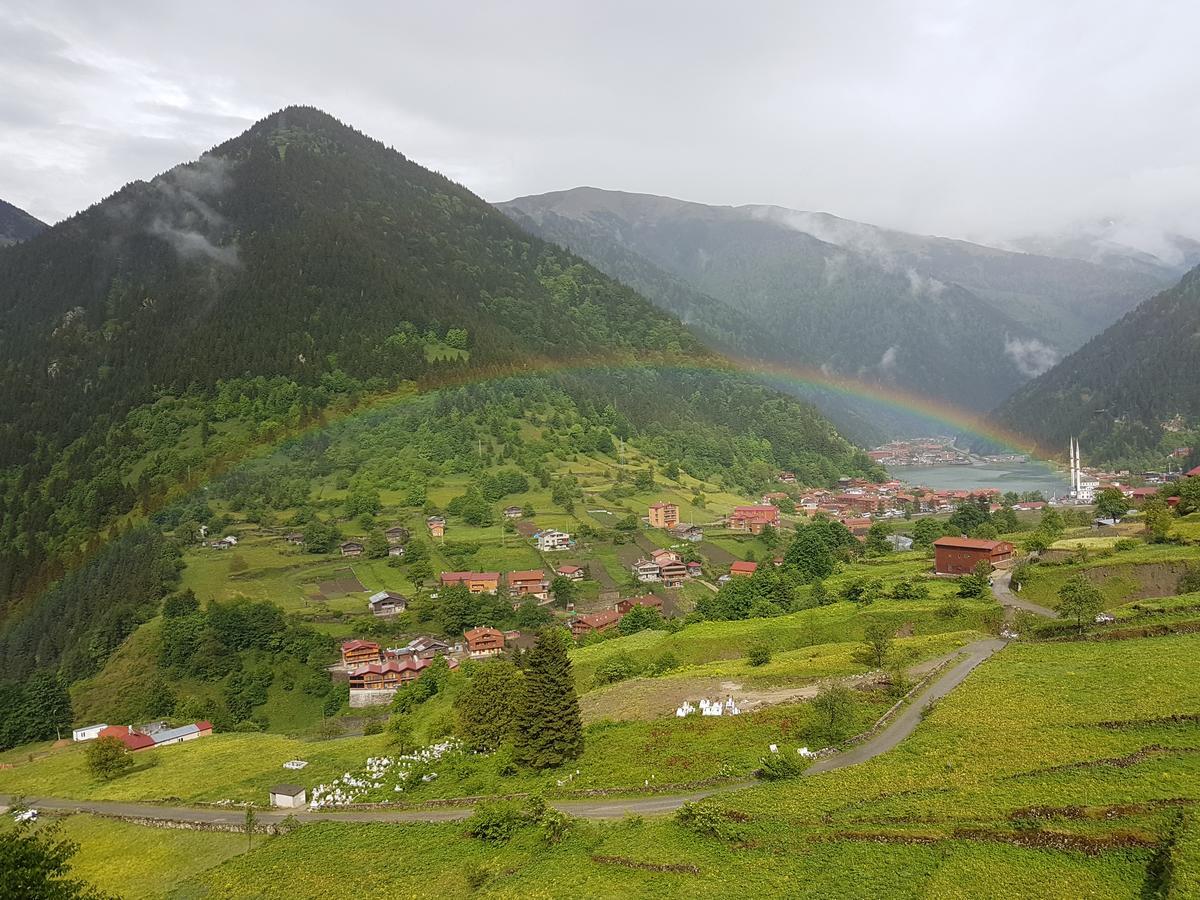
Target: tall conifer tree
pixel 549 726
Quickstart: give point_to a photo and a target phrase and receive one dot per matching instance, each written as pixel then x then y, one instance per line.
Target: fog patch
pixel 184 217
pixel 887 362
pixel 922 286
pixel 1031 356
pixel 835 269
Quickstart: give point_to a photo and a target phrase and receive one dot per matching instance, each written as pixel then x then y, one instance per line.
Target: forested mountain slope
pixel 17 225
pixel 295 269
pixel 949 319
pixel 1126 387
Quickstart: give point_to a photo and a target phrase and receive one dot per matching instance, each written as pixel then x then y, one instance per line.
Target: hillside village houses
pixel 397 534
pixel 376 683
pixel 529 583
pixel 574 573
pixel 155 734
pixel 753 518
pixel 665 566
pixel 436 526
pixel 741 569
pixel 607 619
pixel 685 531
pixel 359 652
pixel 387 603
pixel 663 515
pixel 594 622
pixel 476 582
pixel 960 556
pixel 351 548
pixel 484 642
pixel 551 540
pixel 513 512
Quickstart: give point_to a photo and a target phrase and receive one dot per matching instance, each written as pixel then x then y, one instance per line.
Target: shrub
pixel 705 818
pixel 777 766
pixel 373 726
pixel 495 822
pixel 555 825
pixel 107 758
pixel 616 669
pixel 759 654
pixel 1127 544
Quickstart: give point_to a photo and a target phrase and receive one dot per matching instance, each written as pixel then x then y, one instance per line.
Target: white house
pixel 90 733
pixel 553 540
pixel 288 796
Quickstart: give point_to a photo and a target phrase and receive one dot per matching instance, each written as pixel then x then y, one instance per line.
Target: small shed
pixel 288 796
pixel 88 733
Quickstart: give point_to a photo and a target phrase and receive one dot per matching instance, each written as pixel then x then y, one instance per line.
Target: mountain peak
pixel 17 225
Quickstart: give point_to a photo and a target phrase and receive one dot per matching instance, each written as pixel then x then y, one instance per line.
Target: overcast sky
pixel 983 119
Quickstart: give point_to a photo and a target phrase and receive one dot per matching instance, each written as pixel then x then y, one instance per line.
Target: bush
pixel 705 818
pixel 1127 544
pixel 495 822
pixel 616 669
pixel 107 758
pixel 759 654
pixel 777 766
pixel 373 726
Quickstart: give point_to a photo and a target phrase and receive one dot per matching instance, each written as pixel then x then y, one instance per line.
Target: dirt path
pixel 1002 588
pixel 610 808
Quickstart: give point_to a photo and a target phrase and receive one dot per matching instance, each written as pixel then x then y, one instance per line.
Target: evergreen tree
pixel 487 707
pixel 809 555
pixel 549 726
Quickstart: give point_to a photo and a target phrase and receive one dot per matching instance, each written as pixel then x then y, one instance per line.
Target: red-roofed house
pixel 1193 473
pixel 601 621
pixel 377 683
pixel 476 582
pixel 529 583
pixel 624 606
pixel 753 518
pixel 484 641
pixel 357 653
pixel 960 556
pixel 575 573
pixel 132 739
pixel 743 569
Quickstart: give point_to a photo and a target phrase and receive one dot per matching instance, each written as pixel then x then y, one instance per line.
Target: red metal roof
pixel 962 543
pixel 741 566
pixel 527 575
pixel 359 645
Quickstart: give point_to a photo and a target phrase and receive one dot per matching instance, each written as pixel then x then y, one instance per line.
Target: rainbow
pixel 801 377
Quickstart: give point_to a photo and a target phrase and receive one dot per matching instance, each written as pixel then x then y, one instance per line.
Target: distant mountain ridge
pixel 955 321
pixel 1121 390
pixel 17 225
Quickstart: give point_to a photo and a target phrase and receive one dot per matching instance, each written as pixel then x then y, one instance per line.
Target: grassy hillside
pixel 1047 774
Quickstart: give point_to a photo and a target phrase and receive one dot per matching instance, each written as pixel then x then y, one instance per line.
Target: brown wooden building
pixel 960 556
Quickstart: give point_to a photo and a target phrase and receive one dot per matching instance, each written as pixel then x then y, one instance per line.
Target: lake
pixel 1018 477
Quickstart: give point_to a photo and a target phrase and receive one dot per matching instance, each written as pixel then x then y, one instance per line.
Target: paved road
pixel 906 722
pixel 608 808
pixel 1002 588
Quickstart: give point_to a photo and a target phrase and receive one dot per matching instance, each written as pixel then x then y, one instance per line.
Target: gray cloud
pixel 971 119
pixel 1031 357
pixel 184 218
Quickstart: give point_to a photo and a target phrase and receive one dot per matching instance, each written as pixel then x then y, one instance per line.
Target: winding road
pixel 892 734
pixel 1002 588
